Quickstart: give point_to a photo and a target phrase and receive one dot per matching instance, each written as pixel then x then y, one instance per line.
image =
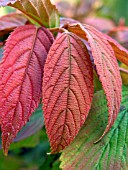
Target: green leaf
pixel 42 12
pixel 111 153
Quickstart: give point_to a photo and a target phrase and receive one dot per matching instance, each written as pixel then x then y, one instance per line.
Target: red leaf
pixel 21 78
pixel 106 66
pixel 121 53
pixel 67 89
pixel 10 21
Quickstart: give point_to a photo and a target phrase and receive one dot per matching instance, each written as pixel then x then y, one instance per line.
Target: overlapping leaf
pixel 106 67
pixel 10 21
pixel 121 53
pixel 67 89
pixel 21 78
pixel 42 12
pixel 111 152
pixel 33 126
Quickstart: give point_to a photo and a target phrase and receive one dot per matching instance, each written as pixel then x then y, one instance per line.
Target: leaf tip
pixel 104 133
pixel 5 149
pixel 6 141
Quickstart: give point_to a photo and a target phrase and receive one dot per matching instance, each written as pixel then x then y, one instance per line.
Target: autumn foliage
pixel 38 64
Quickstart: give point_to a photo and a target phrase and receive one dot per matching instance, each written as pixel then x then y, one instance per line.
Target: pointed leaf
pixel 11 21
pixel 42 12
pixel 21 78
pixel 67 89
pixel 106 67
pixel 33 126
pixel 111 153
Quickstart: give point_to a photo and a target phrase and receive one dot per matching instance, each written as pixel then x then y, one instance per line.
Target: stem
pixel 123 70
pixel 57 29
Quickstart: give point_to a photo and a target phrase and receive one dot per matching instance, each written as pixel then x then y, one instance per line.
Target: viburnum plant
pixel 58 68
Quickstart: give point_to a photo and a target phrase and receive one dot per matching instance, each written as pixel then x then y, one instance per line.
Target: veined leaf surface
pixel 111 153
pixel 21 78
pixel 106 67
pixel 67 89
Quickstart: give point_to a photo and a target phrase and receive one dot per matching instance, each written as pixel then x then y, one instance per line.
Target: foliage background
pixel 31 153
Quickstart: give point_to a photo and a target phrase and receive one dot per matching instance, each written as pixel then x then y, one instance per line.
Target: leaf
pixel 42 12
pixel 121 53
pixel 21 78
pixel 67 89
pixel 33 126
pixel 106 67
pixel 111 152
pixel 29 142
pixel 11 21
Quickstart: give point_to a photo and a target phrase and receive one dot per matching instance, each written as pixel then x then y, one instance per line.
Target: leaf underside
pixel 121 53
pixel 21 78
pixel 67 89
pixel 42 12
pixel 111 153
pixel 106 67
pixel 11 21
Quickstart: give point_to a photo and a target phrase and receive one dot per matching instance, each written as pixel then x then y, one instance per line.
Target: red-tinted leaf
pixel 120 52
pixel 106 66
pixel 10 21
pixel 6 2
pixel 67 89
pixel 21 78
